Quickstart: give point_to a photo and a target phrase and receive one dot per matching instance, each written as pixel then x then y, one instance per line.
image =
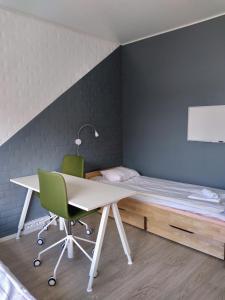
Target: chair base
pixel 68 241
pixel 89 230
pixel 53 219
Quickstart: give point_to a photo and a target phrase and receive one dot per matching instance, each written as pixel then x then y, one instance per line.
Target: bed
pixel 10 287
pixel 163 207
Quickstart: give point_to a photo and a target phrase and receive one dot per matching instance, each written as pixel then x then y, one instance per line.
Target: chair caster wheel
pixel 51 281
pixel 96 274
pixel 73 223
pixel 36 263
pixel 89 231
pixel 40 241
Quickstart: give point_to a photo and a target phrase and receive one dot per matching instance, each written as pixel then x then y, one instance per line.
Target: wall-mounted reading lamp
pixel 78 141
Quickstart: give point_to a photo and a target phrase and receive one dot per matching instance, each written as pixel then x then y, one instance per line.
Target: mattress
pixel 171 194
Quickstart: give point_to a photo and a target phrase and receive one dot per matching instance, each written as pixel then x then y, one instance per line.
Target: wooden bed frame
pixel 193 230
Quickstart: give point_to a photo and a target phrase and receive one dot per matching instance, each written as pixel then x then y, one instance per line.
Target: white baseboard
pixel 29 227
pixel 34 225
pixel 8 237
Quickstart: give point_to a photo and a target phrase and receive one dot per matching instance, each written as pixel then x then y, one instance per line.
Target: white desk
pixel 87 195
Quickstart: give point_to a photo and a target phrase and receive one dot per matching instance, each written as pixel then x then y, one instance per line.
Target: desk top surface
pixel 82 193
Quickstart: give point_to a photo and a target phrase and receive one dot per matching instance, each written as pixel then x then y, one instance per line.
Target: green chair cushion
pixel 77 213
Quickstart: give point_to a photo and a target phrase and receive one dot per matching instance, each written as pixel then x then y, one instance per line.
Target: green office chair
pixel 74 165
pixel 71 165
pixel 53 195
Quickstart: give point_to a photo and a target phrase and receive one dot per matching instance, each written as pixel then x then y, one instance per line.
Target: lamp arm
pixel 83 126
pixel 78 140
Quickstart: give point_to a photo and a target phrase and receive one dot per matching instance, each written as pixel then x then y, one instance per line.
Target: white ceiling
pixel 120 20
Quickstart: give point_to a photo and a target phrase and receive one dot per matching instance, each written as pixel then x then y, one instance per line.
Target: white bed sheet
pixel 10 287
pixel 172 194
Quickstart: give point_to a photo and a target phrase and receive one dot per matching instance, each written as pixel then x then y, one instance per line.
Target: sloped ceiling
pixel 39 61
pixel 121 20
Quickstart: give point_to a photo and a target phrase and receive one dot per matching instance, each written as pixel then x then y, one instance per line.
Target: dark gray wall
pixel 161 77
pixel 46 139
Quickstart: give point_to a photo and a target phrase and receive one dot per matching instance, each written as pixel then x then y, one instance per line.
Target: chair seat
pixel 77 213
pixel 36 194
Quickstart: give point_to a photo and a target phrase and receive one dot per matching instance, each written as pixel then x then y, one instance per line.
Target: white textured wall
pixel 38 62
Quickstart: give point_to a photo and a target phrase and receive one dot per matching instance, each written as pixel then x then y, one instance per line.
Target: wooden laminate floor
pixel 161 269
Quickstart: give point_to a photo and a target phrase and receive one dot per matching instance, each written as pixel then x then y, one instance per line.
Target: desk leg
pixel 121 231
pixel 24 213
pixel 98 246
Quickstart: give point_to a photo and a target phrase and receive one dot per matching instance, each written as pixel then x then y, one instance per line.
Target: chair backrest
pixel 53 193
pixel 73 165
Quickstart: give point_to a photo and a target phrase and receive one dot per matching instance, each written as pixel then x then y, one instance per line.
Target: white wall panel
pixel 206 123
pixel 38 62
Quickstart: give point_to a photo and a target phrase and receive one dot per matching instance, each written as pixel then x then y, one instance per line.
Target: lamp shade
pixel 96 134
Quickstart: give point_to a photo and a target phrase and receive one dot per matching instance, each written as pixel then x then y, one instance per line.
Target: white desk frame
pixel 82 185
